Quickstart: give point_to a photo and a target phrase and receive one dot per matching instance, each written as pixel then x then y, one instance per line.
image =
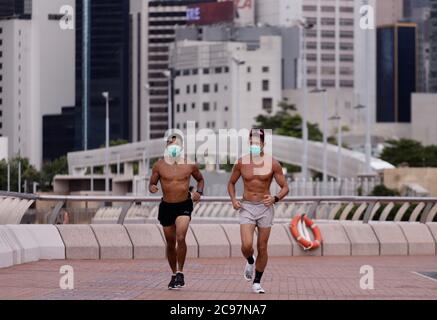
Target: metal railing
pixel 355 208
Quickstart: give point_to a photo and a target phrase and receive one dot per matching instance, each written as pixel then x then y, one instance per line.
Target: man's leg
pixel 182 224
pixel 170 237
pixel 246 231
pixel 261 260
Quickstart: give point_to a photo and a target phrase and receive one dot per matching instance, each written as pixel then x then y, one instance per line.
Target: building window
pixel 206 88
pixel 178 108
pixel 195 72
pixel 226 109
pixel 268 104
pixel 194 88
pixel 216 87
pixel 177 91
pixel 178 126
pixel 185 107
pixel 206 106
pixel 266 69
pixel 188 89
pixel 205 70
pixel 215 106
pixel 266 85
pixel 249 69
pixel 226 69
pixel 193 106
pixel 249 87
pixel 218 70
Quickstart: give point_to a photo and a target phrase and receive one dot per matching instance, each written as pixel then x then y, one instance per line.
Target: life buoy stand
pixel 300 233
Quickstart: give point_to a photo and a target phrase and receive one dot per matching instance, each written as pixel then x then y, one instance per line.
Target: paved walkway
pixel 286 278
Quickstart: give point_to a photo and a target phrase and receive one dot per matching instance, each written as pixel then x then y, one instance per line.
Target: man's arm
pixel 197 175
pixel 154 179
pixel 236 174
pixel 279 176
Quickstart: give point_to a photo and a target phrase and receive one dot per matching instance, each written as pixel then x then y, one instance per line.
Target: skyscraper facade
pixel 109 71
pixel 433 47
pixel 396 72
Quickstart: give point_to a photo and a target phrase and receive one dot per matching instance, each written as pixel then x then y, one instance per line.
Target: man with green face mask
pixel 175 210
pixel 256 209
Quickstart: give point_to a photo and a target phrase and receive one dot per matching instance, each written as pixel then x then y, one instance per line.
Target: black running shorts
pixel 169 212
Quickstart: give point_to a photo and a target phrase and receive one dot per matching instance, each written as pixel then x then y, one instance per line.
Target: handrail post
pixel 369 211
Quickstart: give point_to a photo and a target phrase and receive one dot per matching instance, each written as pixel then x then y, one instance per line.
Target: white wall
pixel 278 12
pixel 39 77
pixel 424 115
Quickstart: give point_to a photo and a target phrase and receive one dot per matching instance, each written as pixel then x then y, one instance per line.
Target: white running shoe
pixel 248 271
pixel 256 288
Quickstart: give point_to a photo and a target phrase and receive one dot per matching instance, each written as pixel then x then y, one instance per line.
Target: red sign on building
pixel 211 13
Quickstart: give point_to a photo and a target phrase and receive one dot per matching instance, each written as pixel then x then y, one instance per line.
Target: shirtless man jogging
pixel 177 203
pixel 256 209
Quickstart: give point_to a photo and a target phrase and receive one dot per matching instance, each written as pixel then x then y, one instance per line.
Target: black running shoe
pixel 172 285
pixel 180 281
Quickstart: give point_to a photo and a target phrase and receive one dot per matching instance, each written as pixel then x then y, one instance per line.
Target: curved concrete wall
pixel 27 243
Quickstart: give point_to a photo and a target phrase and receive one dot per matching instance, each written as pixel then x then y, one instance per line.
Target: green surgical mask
pixel 255 150
pixel 174 151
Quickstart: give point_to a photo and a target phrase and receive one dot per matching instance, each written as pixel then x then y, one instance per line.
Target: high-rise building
pixel 396 72
pixel 36 75
pixel 283 13
pixel 330 43
pixel 153 25
pixel 15 8
pixel 290 50
pixel 224 84
pixel 410 5
pixel 421 16
pixel 109 71
pixel 389 11
pixel 433 47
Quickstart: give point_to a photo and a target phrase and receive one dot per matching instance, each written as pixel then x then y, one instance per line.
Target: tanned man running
pixel 176 207
pixel 257 207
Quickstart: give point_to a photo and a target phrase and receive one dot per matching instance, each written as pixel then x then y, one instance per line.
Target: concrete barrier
pixel 192 246
pixel 297 250
pixel 335 240
pixel 147 241
pixel 363 239
pixel 80 242
pixel 280 243
pixel 6 254
pixel 419 238
pixel 432 226
pixel 232 232
pixel 51 246
pixel 114 241
pixel 9 238
pixel 391 238
pixel 212 241
pixel 26 241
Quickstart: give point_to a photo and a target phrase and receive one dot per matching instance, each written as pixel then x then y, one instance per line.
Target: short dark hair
pixel 258 132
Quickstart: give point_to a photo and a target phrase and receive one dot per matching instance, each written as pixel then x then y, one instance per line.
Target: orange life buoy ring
pixel 305 242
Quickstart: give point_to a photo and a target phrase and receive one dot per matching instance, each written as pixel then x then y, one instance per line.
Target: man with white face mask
pixel 256 209
pixel 175 210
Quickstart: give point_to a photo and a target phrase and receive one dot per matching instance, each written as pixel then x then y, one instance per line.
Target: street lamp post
pixel 169 75
pixel 237 89
pixel 340 145
pixel 106 96
pixel 325 134
pixel 147 90
pixel 304 26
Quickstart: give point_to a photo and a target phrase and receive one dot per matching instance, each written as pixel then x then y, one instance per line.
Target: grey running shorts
pixel 256 213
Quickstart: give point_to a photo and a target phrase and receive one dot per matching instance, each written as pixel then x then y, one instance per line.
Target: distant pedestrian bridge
pixel 286 149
